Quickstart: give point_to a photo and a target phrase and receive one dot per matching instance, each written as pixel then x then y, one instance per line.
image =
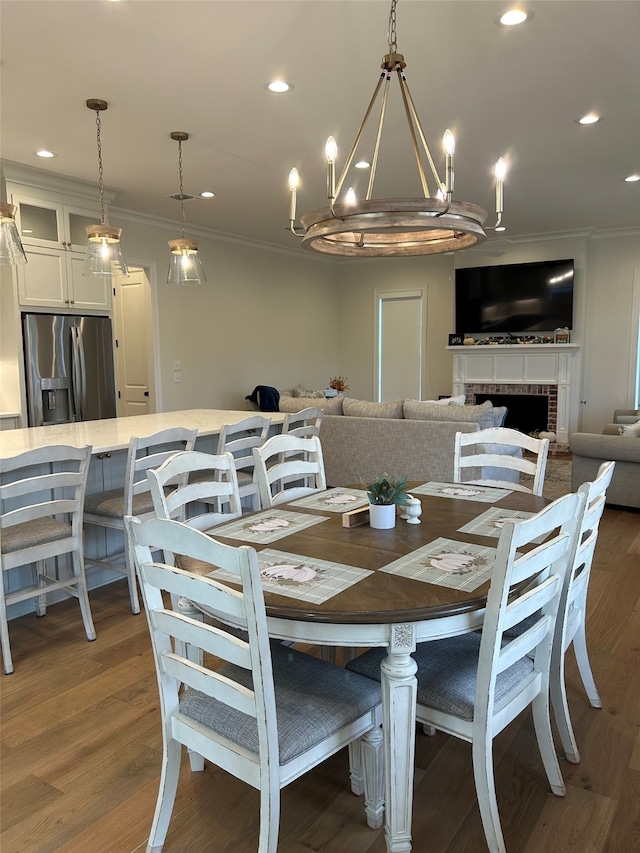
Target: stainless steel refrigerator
pixel 68 368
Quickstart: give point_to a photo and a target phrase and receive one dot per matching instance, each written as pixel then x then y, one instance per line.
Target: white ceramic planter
pixel 382 516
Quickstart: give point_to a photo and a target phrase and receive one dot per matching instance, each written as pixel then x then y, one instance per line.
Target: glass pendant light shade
pixel 104 251
pixel 11 250
pixel 185 266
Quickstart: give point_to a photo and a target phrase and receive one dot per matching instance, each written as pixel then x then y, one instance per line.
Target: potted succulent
pixel 385 493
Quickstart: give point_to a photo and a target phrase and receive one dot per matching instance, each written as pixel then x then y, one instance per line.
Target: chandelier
pixel 185 266
pixel 104 252
pixel 393 227
pixel 11 248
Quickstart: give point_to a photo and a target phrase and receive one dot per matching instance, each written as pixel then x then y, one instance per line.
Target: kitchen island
pixel 110 439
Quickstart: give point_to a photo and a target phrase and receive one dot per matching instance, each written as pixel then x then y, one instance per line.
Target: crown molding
pixel 32 177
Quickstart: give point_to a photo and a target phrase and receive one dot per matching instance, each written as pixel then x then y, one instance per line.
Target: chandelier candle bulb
pixel 501 171
pixel 331 150
pixel 294 179
pixel 449 145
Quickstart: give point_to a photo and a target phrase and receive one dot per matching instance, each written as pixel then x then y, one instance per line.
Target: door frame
pixel 379 295
pixel 150 270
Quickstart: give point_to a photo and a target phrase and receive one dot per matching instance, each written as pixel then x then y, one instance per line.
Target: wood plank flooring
pixel 81 748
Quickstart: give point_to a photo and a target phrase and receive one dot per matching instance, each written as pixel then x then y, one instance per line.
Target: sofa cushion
pixel 299 391
pixel 423 410
pixel 330 406
pixel 365 409
pixel 630 430
pixel 460 400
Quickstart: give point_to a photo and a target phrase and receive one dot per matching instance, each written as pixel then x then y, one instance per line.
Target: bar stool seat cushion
pixel 32 533
pixel 111 503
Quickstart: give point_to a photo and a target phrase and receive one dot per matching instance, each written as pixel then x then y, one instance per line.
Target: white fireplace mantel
pixel 524 364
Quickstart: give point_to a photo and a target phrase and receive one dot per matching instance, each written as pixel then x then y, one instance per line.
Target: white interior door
pixel 134 344
pixel 399 350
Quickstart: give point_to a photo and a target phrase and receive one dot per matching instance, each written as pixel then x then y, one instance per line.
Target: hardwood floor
pixel 81 748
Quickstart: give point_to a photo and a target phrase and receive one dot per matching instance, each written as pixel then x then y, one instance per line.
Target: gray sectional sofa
pixel 361 440
pixel 589 450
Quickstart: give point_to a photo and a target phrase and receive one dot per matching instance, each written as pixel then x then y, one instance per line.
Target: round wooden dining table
pixel 388 610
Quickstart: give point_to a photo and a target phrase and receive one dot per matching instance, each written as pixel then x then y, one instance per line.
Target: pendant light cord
pixel 100 171
pixel 181 191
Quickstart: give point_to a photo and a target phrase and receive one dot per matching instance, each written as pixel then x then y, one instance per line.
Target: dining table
pixel 335 585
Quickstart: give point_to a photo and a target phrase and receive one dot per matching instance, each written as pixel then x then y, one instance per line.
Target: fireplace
pixel 528 413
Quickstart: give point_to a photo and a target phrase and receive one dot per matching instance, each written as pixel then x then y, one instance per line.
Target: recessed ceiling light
pixel 279 86
pixel 631 179
pixel 590 118
pixel 45 153
pixel 513 17
pixel 363 164
pixel 207 194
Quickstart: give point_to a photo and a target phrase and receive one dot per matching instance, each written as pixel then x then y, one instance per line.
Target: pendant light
pixel 185 266
pixel 104 252
pixel 11 250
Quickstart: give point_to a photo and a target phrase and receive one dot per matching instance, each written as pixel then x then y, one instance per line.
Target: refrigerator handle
pixel 79 382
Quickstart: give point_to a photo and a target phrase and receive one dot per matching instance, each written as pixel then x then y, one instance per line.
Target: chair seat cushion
pixel 314 699
pixel 32 533
pixel 447 673
pixel 244 479
pixel 111 503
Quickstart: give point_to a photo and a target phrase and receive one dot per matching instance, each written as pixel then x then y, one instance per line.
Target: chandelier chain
pixel 100 170
pixel 393 44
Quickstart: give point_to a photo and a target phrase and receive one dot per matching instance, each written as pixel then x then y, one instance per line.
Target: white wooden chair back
pixel 469 454
pixel 188 484
pixel 42 496
pixel 573 610
pixel 239 439
pixel 108 509
pixel 203 715
pixel 283 460
pixel 304 423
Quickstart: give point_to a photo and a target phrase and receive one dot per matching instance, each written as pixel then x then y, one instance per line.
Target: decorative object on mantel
pixel 104 252
pixel 185 266
pixel 562 336
pixel 385 493
pixel 393 227
pixel 469 342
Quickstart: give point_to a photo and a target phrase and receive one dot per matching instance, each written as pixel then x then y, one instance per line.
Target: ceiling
pixel 201 66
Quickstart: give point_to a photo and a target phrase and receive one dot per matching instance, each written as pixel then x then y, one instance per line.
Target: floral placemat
pixel 462 491
pixel 335 500
pixel 445 562
pixel 303 578
pixel 267 526
pixel 491 522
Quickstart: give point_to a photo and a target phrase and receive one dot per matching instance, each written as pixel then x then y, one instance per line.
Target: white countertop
pixel 116 433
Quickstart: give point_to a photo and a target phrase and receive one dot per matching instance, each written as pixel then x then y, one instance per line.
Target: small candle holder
pixel 412 511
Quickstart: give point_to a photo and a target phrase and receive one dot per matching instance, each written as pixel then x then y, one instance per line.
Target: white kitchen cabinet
pixel 54 239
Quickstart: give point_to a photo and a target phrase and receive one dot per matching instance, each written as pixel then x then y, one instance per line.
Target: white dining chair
pixel 471 686
pixel 108 509
pixel 41 501
pixel 288 468
pixel 497 455
pixel 304 423
pixel 239 439
pixel 572 625
pixel 270 713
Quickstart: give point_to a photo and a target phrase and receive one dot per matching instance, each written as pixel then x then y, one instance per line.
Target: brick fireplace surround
pixel 548 391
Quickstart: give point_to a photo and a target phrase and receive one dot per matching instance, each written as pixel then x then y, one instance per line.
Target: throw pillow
pixel 305 392
pixel 499 414
pixel 423 410
pixel 332 406
pixel 630 430
pixel 365 409
pixel 457 401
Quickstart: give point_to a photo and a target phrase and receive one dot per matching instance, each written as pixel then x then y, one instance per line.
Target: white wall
pixel 263 318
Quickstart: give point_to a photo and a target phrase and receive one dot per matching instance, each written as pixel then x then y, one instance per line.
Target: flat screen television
pixel 515 298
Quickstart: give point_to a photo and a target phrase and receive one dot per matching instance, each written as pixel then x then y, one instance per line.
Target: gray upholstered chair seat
pixel 244 479
pixel 314 699
pixel 111 503
pixel 447 673
pixel 32 533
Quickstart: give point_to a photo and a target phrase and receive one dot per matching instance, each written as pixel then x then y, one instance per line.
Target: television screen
pixel 515 298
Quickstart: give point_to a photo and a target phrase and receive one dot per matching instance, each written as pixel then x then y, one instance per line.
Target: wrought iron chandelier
pixel 393 227
pixel 104 251
pixel 185 266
